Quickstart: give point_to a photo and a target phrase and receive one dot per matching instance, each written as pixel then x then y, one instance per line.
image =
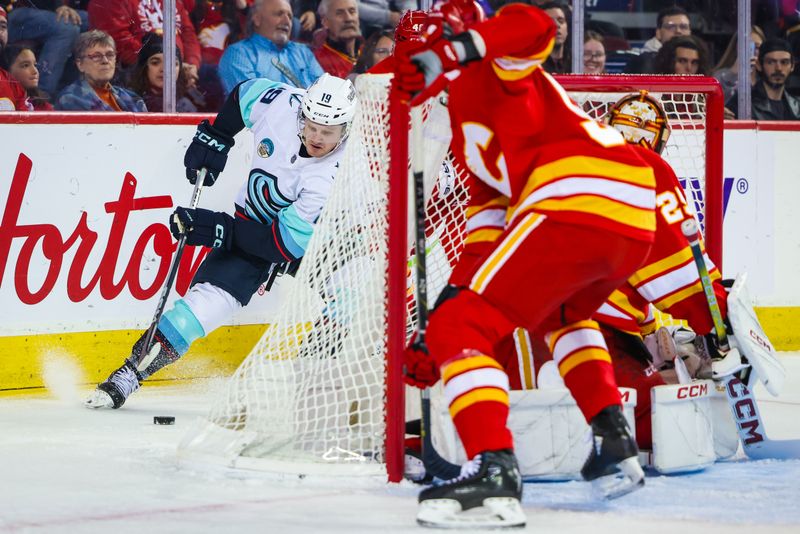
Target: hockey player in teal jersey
pixel 275 210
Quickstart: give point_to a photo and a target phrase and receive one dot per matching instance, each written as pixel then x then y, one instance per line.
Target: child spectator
pixel 52 24
pixel 147 78
pixel 12 95
pixel 20 62
pixel 96 59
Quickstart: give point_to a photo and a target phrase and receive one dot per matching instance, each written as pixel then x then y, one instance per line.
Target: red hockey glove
pixel 420 369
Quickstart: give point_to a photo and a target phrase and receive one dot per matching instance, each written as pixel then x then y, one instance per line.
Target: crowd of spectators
pixel 107 55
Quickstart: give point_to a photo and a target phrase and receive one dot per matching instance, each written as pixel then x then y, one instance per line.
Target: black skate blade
pixel 496 513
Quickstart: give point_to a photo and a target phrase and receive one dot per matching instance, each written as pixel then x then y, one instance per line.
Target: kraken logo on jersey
pixel 265 148
pixel 264 199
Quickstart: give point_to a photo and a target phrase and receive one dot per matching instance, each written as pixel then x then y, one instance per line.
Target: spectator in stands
pixel 20 62
pixel 594 53
pixel 382 14
pixel 304 25
pixel 378 47
pixel 269 53
pixel 55 26
pixel 682 55
pixel 127 21
pixel 147 78
pixel 96 57
pixel 12 94
pixel 727 70
pixel 218 24
pixel 770 100
pixel 559 60
pixel 340 37
pixel 671 22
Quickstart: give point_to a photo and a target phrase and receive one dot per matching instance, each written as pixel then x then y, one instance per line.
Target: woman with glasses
pixel 378 47
pixel 20 62
pixel 96 58
pixel 594 53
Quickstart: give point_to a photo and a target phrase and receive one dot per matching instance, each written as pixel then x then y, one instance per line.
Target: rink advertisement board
pixel 85 246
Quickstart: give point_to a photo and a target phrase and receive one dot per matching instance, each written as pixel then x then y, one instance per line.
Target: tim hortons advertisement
pixel 84 242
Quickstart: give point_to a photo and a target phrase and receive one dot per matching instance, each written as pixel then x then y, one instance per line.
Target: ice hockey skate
pixel 486 494
pixel 116 389
pixel 613 464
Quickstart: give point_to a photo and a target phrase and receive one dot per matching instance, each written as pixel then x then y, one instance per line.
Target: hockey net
pixel 321 392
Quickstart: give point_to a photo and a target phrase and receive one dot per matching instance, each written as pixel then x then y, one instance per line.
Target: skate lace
pixel 469 469
pixel 125 380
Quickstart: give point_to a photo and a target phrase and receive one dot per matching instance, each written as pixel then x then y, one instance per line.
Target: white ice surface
pixel 66 469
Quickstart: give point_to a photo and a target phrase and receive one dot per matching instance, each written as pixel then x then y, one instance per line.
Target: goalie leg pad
pixel 683 437
pixel 751 340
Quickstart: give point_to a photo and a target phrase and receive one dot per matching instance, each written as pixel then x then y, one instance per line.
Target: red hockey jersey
pixel 669 278
pixel 528 147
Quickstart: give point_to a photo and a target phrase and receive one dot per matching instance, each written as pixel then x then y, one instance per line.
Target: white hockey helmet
pixel 641 120
pixel 330 101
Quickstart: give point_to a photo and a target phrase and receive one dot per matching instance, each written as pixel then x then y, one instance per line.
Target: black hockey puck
pixel 163 420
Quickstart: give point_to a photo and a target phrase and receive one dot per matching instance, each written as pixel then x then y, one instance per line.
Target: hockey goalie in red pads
pixel 577 211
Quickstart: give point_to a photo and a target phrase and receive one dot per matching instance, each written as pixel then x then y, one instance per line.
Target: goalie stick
pixel 431 459
pixel 173 271
pixel 752 434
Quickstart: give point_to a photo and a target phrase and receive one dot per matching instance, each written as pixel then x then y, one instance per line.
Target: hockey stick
pixel 173 272
pixel 743 405
pixel 288 73
pixel 433 461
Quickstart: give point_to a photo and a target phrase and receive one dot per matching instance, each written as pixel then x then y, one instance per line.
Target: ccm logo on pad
pixel 692 392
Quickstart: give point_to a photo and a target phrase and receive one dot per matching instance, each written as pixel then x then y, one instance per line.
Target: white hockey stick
pixel 752 434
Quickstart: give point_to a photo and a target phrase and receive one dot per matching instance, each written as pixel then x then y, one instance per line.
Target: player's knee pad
pixel 177 330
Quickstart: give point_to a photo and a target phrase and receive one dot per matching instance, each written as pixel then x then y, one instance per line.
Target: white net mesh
pixel 311 396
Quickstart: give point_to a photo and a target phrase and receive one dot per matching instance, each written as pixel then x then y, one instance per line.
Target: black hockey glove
pixel 204 228
pixel 209 149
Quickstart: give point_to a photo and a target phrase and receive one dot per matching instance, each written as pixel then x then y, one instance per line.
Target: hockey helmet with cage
pixel 409 29
pixel 461 15
pixel 329 101
pixel 641 120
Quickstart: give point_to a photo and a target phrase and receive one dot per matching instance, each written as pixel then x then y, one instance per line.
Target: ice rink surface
pixel 66 469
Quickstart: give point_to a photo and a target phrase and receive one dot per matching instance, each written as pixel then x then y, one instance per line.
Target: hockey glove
pixel 420 369
pixel 422 71
pixel 203 228
pixel 209 149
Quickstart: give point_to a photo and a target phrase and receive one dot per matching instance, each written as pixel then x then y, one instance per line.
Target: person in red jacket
pixel 577 206
pixel 338 52
pixel 12 94
pixel 127 21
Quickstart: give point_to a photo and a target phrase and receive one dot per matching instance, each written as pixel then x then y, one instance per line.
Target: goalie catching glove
pixel 442 53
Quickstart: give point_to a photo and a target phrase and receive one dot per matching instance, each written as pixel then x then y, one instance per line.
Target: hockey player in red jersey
pixel 668 279
pixel 570 212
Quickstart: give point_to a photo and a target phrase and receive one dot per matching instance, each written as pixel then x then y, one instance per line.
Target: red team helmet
pixel 460 15
pixel 641 120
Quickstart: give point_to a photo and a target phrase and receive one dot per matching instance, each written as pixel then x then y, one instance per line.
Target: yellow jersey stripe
pixel 479 236
pixel 475 396
pixel 525 359
pixel 606 208
pixel 582 356
pixel 465 364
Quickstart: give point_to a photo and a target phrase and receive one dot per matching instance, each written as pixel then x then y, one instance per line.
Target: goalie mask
pixel 330 101
pixel 641 120
pixel 460 15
